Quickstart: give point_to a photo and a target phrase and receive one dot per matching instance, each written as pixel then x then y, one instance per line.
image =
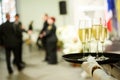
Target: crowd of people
pixel 11 38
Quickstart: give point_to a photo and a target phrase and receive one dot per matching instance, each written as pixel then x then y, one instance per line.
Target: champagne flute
pixel 96 27
pixel 88 37
pixel 89 34
pixel 82 35
pixel 103 37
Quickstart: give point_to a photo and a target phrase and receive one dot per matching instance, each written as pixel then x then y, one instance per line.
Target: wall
pixel 76 9
pixel 34 9
pixel 89 8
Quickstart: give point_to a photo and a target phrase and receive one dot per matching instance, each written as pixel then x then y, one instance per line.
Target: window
pixel 7 6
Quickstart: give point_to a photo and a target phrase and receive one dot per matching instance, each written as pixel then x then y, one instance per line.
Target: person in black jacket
pixel 18 31
pixel 43 39
pixel 31 26
pixel 10 42
pixel 51 41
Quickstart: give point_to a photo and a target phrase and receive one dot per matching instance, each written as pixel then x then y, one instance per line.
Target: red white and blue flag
pixel 111 18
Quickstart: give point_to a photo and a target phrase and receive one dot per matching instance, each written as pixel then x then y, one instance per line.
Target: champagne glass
pixel 82 35
pixel 89 34
pixel 96 28
pixel 103 37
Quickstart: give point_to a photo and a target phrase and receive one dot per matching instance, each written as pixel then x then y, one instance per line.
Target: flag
pixel 111 15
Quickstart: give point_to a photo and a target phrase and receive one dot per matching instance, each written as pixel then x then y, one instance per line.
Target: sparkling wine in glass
pixel 88 37
pixel 96 31
pixel 82 36
pixel 103 37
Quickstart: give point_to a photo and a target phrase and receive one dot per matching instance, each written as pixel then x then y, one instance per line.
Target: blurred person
pixel 10 43
pixel 30 29
pixel 18 29
pixel 51 41
pixel 43 39
pixel 31 26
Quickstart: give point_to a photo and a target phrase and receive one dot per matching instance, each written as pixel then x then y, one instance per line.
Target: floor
pixel 37 69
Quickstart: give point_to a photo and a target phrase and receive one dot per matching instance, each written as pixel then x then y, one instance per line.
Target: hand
pixel 41 35
pixel 29 32
pixel 22 27
pixel 44 33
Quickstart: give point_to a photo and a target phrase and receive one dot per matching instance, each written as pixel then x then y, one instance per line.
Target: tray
pixel 76 57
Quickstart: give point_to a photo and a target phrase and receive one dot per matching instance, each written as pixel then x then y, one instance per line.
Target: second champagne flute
pixel 82 35
pixel 96 30
pixel 89 34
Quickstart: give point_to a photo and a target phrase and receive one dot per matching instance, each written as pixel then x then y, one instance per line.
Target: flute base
pixel 102 58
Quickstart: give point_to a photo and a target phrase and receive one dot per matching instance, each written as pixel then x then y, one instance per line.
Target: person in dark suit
pixel 43 39
pixel 30 29
pixel 18 31
pixel 51 41
pixel 10 43
pixel 31 26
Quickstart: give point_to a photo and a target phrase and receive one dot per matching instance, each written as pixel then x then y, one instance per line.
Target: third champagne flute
pixel 103 37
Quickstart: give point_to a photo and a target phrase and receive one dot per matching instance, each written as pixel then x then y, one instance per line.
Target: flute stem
pixel 97 50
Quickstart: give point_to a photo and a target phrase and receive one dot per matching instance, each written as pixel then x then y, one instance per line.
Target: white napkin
pixel 99 74
pixel 95 70
pixel 89 65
